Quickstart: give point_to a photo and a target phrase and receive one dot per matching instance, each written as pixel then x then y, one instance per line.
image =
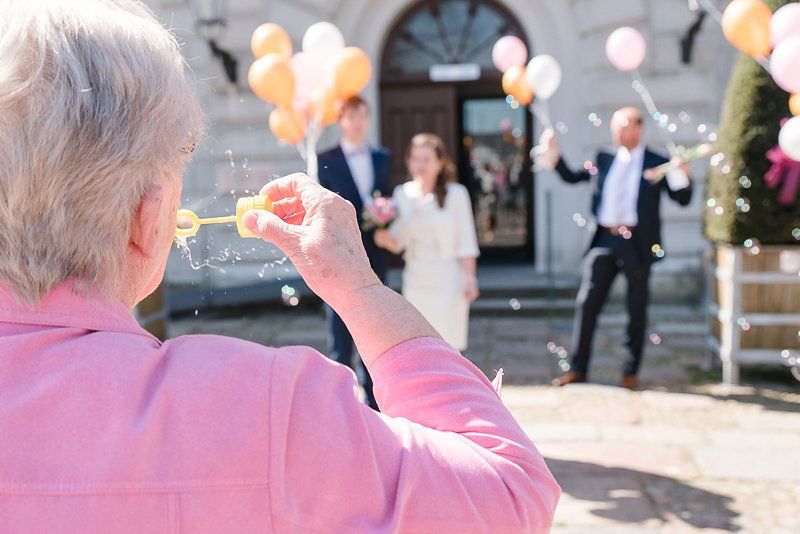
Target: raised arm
pixel 453 460
pixel 550 158
pixel 678 183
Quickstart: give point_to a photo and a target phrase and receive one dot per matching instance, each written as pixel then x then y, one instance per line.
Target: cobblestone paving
pixel 683 455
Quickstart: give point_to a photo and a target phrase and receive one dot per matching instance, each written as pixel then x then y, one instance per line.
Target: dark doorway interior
pixel 437 76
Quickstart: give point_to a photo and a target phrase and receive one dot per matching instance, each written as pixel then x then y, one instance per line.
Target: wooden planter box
pixel 754 305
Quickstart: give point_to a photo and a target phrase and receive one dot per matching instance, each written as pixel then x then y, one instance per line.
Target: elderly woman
pixel 105 429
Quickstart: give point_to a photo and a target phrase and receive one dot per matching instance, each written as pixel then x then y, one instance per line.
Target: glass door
pixel 495 167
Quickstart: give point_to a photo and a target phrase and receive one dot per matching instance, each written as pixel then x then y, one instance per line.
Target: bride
pixel 435 231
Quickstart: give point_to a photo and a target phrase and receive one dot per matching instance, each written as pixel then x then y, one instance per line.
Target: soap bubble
pixel 289 295
pixel 743 204
pixel 752 246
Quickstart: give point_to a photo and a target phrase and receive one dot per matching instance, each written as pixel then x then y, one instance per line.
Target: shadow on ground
pixel 636 497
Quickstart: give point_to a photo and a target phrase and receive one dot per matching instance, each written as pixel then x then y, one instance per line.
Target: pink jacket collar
pixel 63 307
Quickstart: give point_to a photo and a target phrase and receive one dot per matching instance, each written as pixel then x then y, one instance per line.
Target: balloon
pixel 544 76
pixel 323 39
pixel 271 79
pixel 789 138
pixel 309 73
pixel 516 85
pixel 784 23
pixel 509 51
pixel 794 104
pixel 287 124
pixel 626 48
pixel 270 38
pixel 785 64
pixel 325 105
pixel 745 24
pixel 352 72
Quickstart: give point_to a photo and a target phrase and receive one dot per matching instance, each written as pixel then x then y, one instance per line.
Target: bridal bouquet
pixel 379 213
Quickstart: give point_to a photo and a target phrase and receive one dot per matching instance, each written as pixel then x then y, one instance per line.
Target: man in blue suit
pixel 628 237
pixel 356 172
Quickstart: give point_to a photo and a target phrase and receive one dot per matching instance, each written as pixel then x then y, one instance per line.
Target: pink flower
pixel 379 213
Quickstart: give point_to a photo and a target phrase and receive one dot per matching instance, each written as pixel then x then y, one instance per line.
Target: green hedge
pixel 753 108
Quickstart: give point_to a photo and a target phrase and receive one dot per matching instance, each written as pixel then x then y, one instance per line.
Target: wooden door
pixel 409 110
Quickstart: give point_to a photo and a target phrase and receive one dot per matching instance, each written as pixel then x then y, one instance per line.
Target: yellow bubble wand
pixel 189 223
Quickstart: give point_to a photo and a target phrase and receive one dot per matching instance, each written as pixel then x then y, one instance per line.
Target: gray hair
pixel 96 108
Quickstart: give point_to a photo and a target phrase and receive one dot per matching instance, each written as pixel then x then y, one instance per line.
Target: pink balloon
pixel 309 73
pixel 785 64
pixel 784 23
pixel 509 51
pixel 626 48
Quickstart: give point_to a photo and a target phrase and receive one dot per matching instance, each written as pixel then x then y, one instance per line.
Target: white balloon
pixel 789 138
pixel 309 73
pixel 323 39
pixel 544 76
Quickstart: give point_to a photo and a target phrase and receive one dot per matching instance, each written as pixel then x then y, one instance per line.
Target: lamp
pixel 210 23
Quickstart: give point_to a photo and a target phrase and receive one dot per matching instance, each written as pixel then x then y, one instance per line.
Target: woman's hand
pixel 317 230
pixel 471 291
pixel 385 240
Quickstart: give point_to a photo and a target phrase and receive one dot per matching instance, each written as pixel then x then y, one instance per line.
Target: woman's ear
pixel 146 221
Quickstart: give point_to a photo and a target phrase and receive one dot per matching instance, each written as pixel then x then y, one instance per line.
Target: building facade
pixel 523 217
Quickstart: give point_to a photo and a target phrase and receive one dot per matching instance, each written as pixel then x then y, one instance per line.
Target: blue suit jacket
pixel 335 175
pixel 648 208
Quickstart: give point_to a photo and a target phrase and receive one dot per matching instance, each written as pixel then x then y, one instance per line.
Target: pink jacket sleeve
pixel 445 456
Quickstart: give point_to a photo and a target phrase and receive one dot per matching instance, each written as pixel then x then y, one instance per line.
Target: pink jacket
pixel 105 429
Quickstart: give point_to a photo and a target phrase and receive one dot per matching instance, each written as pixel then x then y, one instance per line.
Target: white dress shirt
pixel 359 159
pixel 621 189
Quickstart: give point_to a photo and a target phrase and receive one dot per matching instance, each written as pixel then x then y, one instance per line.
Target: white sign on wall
pixel 463 72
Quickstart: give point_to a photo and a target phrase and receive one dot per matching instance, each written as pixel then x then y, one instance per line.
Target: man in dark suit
pixel 356 172
pixel 626 205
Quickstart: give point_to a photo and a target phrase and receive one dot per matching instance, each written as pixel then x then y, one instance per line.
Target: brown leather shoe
pixel 629 382
pixel 569 377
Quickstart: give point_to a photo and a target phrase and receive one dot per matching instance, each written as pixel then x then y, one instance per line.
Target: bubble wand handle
pixel 188 223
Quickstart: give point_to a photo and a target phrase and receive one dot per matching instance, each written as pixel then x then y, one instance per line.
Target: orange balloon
pixel 352 72
pixel 270 38
pixel 288 125
pixel 271 79
pixel 515 84
pixel 325 105
pixel 745 24
pixel 794 104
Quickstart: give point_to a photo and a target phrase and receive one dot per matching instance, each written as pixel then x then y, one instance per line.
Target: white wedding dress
pixel 433 240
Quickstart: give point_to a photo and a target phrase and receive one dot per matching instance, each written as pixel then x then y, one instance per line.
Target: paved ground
pixel 682 455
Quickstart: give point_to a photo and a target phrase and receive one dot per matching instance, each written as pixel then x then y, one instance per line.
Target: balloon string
pixel 652 109
pixel 312 167
pixel 539 108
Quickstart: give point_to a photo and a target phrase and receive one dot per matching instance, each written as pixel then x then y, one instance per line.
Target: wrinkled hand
pixel 318 231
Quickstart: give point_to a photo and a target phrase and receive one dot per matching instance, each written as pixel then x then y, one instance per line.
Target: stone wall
pixel 574 31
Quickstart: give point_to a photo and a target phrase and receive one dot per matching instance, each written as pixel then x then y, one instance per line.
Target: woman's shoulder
pixel 457 190
pixel 405 190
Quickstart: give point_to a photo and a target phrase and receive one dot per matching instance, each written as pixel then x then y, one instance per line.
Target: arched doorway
pixel 437 76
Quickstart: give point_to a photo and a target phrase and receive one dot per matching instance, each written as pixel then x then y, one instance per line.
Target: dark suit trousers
pixel 610 255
